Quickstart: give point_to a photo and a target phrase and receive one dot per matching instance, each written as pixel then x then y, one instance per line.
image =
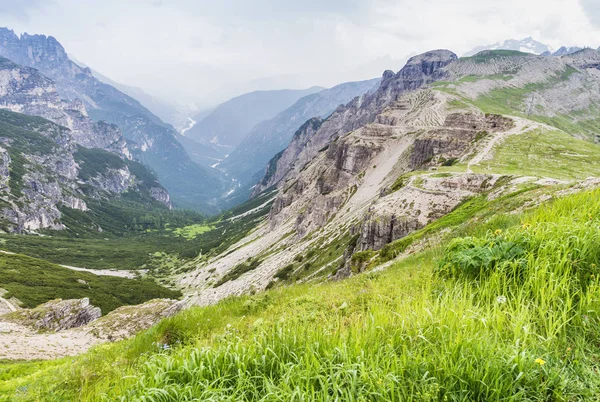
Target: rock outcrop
pixel 57 315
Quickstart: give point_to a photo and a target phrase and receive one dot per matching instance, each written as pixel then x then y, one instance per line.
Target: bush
pixel 477 257
pixel 284 272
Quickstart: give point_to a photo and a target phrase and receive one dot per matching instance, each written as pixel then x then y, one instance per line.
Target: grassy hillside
pixel 35 281
pixel 133 236
pixel 506 311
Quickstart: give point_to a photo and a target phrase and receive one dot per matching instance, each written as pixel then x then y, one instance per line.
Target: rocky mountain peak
pixel 426 64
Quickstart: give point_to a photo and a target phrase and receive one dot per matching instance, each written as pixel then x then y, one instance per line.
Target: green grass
pixel 35 281
pixel 192 231
pixel 524 327
pixel 487 55
pixel 544 153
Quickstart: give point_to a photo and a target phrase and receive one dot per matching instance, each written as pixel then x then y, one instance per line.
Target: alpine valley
pixel 429 235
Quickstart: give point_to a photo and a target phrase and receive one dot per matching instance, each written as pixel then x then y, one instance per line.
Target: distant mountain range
pixel 246 164
pixel 150 140
pixel 229 123
pixel 526 45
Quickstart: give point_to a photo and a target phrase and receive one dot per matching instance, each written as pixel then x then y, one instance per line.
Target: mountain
pixel 25 90
pixel 566 50
pixel 527 45
pixel 228 124
pixel 47 178
pixel 247 162
pixel 166 111
pixel 159 107
pixel 436 226
pixel 150 140
pixel 370 179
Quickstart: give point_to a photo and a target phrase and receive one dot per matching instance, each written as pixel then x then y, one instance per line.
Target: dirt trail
pixel 520 125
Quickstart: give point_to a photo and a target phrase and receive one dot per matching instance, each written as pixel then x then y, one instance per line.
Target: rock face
pixel 419 70
pixel 25 90
pixel 451 140
pixel 58 315
pixel 43 170
pixel 396 215
pixel 246 163
pixel 150 140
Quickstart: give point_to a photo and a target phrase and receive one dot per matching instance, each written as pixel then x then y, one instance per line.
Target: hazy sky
pixel 203 51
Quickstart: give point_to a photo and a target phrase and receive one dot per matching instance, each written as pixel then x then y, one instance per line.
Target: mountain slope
pixel 152 142
pixel 227 126
pixel 439 134
pixel 25 90
pixel 46 178
pixel 247 162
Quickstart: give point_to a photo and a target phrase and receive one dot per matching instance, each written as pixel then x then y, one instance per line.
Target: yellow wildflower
pixel 526 225
pixel 498 232
pixel 540 361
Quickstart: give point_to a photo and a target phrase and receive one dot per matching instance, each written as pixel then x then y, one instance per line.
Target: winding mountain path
pixel 519 128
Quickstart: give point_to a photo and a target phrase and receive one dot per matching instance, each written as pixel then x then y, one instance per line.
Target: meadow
pixel 509 313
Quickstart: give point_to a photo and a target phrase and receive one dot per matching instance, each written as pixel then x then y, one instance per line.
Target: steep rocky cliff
pixel 45 172
pixel 418 71
pixel 150 140
pixel 26 90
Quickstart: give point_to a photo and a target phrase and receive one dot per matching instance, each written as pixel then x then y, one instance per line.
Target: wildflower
pixel 569 349
pixel 540 361
pixel 501 299
pixel 498 232
pixel 526 225
pixel 590 216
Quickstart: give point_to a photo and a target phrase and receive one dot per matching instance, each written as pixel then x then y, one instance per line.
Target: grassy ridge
pixel 35 281
pixel 524 327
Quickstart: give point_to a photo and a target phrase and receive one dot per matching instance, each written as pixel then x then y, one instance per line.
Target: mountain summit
pixel 151 141
pixel 527 45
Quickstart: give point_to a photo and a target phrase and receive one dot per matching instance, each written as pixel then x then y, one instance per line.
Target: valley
pixel 432 234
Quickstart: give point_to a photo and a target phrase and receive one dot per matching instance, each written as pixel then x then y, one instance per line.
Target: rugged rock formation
pixel 458 132
pixel 25 90
pixel 419 70
pixel 57 315
pixel 151 141
pixel 43 170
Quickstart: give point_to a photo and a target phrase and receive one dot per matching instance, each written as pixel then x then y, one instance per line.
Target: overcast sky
pixel 204 51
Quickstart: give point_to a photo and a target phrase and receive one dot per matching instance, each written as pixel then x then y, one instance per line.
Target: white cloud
pixel 205 51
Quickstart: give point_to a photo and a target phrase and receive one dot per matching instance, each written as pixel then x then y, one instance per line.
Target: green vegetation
pixel 487 55
pixel 239 270
pixel 131 236
pixel 192 231
pixel 35 281
pixel 544 153
pixel 459 324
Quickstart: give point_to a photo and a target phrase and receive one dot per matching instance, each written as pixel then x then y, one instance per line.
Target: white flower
pixel 501 299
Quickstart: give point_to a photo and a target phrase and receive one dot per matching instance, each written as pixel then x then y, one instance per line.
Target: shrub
pixel 476 257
